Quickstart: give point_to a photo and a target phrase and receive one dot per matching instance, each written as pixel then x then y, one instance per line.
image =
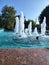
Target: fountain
pixel 30 29
pixel 43 27
pixel 17 26
pixel 26 31
pixel 35 33
pixel 23 33
pixel 24 38
pixel 21 24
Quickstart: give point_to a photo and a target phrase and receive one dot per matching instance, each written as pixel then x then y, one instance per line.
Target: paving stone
pixel 24 56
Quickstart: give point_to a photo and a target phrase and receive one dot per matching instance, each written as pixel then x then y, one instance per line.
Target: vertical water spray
pixel 43 27
pixel 30 28
pixel 35 33
pixel 17 25
pixel 21 26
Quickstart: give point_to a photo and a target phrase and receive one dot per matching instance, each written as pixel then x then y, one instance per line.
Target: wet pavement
pixel 24 56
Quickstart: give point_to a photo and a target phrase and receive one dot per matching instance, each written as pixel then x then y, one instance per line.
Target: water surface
pixel 10 40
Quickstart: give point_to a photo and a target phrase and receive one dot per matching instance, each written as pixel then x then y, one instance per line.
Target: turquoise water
pixel 10 40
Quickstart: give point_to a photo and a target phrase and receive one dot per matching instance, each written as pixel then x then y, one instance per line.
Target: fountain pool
pixel 10 40
pixel 24 38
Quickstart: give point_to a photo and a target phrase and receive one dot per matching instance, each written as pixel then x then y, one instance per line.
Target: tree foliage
pixel 8 17
pixel 28 21
pixel 45 13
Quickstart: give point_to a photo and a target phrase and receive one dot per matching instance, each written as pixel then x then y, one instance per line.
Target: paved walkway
pixel 24 56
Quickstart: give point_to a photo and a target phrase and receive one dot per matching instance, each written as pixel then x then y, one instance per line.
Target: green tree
pixel 1 23
pixel 45 13
pixel 8 17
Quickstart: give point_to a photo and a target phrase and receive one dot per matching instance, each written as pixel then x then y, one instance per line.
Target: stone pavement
pixel 24 56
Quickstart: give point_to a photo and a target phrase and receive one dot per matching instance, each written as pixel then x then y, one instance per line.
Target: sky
pixel 31 8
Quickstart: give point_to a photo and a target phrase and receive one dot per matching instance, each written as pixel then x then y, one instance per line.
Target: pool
pixel 10 40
